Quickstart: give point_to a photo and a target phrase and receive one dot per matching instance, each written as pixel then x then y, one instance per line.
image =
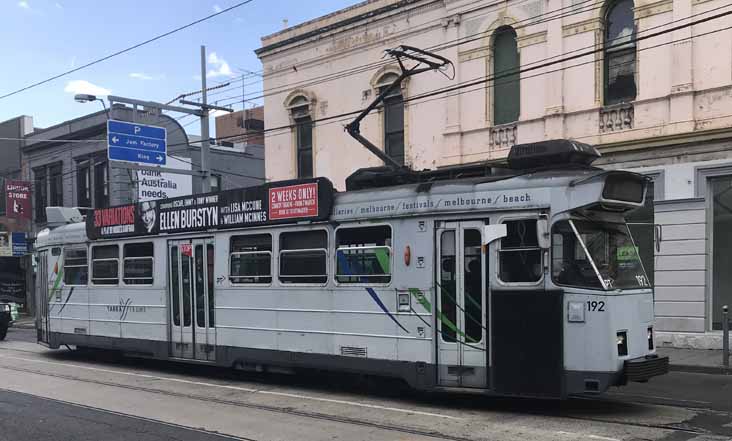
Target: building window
pixel 41 193
pixel 137 263
pixel 363 255
pixel 300 111
pixel 101 185
pixel 83 184
pixel 105 265
pixel 56 185
pixel 506 83
pixel 393 118
pixel 721 193
pixel 620 53
pixel 250 260
pixel 76 267
pixel 303 257
pixel 519 258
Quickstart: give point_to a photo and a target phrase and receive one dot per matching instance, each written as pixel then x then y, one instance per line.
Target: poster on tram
pixel 268 204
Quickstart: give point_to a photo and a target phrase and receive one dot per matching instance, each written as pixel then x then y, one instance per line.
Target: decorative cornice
pixel 472 54
pixel 531 39
pixel 589 25
pixel 649 9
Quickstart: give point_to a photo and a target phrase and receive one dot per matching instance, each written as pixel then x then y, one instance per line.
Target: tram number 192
pixel 595 306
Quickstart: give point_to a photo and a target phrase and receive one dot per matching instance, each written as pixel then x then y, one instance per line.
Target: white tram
pixel 521 281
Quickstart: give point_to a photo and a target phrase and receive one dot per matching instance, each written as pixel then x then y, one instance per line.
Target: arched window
pixel 393 118
pixel 506 83
pixel 300 111
pixel 619 56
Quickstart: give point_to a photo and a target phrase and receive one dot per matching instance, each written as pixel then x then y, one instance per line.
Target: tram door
pixel 42 296
pixel 461 297
pixel 192 321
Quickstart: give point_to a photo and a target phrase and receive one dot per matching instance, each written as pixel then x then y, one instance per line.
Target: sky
pixel 42 38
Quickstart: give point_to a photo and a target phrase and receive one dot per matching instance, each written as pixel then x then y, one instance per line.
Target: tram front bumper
pixel 641 369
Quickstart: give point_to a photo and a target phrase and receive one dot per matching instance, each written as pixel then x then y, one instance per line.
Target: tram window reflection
pixel 520 255
pixel 363 254
pixel 138 260
pixel 250 259
pixel 105 265
pixel 76 267
pixel 303 257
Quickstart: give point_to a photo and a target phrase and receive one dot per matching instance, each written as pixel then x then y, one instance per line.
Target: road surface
pixel 60 395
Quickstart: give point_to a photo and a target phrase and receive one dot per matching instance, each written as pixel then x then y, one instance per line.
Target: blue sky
pixel 41 38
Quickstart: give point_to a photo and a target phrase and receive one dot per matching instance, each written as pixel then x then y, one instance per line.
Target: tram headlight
pixel 622 340
pixel 576 312
pixel 650 338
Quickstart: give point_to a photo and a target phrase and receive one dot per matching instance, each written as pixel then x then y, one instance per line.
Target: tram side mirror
pixel 542 233
pixel 494 232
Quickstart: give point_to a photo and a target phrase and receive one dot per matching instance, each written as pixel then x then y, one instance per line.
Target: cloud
pixel 59 5
pixel 24 4
pixel 140 76
pixel 83 86
pixel 221 69
pixel 217 8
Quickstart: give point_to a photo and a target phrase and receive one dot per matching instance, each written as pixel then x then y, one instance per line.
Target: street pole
pixel 205 147
pixel 725 336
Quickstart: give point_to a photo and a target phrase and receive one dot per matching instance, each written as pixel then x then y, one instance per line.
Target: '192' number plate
pixel 595 306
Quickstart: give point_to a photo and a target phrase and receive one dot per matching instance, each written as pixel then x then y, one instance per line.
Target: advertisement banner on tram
pixel 276 203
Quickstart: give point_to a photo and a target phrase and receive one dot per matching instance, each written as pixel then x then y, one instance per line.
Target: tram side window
pixel 520 255
pixel 76 266
pixel 303 257
pixel 250 259
pixel 105 265
pixel 363 255
pixel 137 266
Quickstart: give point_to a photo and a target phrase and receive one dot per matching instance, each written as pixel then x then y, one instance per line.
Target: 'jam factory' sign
pixel 276 203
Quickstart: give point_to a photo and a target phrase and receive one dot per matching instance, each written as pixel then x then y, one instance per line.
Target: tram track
pixel 241 404
pixel 680 428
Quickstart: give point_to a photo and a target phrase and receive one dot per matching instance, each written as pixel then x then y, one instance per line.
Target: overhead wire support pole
pixel 433 62
pixel 205 144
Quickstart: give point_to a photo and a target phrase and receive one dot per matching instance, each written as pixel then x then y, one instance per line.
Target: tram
pixel 522 280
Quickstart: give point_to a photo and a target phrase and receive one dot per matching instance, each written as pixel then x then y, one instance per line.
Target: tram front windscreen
pixel 596 255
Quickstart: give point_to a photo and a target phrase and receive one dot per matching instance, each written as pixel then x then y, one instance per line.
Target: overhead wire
pixel 486 79
pixel 123 51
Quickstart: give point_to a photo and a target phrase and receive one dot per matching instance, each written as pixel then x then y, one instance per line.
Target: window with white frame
pixel 519 256
pixel 105 265
pixel 76 266
pixel 250 259
pixel 363 254
pixel 303 257
pixel 138 261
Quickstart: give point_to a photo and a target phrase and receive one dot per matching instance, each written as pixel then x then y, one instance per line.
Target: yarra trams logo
pixel 124 308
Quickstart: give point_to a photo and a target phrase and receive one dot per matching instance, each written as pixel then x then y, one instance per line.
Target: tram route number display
pixel 276 203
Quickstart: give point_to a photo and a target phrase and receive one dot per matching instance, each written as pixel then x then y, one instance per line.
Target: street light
pixel 86 98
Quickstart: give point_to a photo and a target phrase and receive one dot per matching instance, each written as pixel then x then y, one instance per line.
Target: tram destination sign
pixel 268 204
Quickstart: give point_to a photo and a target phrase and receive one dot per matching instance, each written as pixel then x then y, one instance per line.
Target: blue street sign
pixel 135 155
pixel 138 143
pixel 20 245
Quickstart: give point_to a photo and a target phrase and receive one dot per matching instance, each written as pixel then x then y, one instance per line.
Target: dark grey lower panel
pixel 139 347
pixel 418 375
pixel 580 382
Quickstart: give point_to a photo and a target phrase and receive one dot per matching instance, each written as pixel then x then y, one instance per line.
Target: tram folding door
pixel 191 290
pixel 42 299
pixel 462 298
